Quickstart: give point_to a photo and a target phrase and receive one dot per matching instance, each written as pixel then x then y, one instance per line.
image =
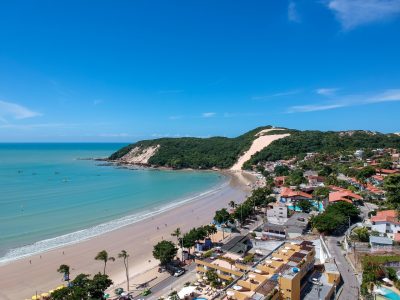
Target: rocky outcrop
pixel 139 155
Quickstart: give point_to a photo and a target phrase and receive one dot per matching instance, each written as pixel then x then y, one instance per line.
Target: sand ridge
pixel 259 143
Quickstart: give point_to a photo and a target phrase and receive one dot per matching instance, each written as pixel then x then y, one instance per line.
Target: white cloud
pixel 293 15
pixel 349 100
pixel 279 94
pixel 313 107
pixel 326 91
pixel 208 114
pixel 16 111
pixel 352 13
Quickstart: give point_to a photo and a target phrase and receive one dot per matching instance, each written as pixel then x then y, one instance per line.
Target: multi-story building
pixel 279 276
pixel 277 213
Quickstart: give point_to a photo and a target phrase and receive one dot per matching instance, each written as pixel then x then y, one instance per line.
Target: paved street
pixel 171 283
pixel 350 285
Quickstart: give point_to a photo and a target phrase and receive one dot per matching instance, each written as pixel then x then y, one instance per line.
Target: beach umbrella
pixel 34 297
pixel 60 287
pixel 51 291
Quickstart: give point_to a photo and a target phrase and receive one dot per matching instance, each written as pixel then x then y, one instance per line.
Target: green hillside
pixel 197 153
pixel 299 143
pixel 222 152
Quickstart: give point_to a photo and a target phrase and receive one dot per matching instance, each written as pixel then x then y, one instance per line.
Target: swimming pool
pixel 388 294
pixel 314 203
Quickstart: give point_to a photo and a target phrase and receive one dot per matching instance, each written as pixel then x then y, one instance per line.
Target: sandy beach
pixel 22 278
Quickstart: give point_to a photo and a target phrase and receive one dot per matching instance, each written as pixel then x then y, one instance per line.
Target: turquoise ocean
pixel 51 196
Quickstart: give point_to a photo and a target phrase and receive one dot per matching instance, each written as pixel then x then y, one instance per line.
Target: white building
pixel 277 213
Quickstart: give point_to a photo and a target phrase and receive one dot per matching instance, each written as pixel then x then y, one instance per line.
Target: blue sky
pixel 128 70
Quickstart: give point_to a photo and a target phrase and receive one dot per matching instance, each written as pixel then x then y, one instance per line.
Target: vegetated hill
pixel 299 143
pixel 197 153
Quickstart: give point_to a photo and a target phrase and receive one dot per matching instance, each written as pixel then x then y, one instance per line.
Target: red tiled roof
pixel 387 171
pixel 345 195
pixel 385 216
pixel 289 193
pixel 378 177
pixel 374 189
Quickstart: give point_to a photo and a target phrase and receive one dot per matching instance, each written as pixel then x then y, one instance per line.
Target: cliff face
pixel 139 155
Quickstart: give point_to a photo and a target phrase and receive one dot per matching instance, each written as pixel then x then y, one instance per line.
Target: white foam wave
pixel 85 234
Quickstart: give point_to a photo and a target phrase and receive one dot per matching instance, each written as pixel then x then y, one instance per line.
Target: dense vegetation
pixel 197 153
pixel 223 152
pixel 299 143
pixel 335 217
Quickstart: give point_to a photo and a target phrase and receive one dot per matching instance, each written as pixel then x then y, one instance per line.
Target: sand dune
pixel 258 144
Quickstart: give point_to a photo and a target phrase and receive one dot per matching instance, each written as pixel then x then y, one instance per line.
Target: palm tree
pixel 124 255
pixel 103 255
pixel 177 233
pixel 64 269
pixel 232 204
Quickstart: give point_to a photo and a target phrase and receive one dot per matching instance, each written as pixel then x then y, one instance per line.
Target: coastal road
pixel 350 283
pixel 171 283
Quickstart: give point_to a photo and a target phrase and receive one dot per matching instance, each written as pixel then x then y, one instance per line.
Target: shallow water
pixel 47 193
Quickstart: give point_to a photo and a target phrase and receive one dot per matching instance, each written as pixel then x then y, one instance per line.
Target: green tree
pixel 391 186
pixel 124 256
pixel 296 178
pixel 165 251
pixel 362 234
pixel 305 206
pixel 213 278
pixel 222 217
pixel 320 194
pixel 232 204
pixel 281 170
pixel 365 173
pixel 177 233
pixel 84 288
pixel 64 269
pixel 103 256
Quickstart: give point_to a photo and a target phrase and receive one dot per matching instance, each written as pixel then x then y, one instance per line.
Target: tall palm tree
pixel 232 204
pixel 177 233
pixel 64 269
pixel 103 256
pixel 124 255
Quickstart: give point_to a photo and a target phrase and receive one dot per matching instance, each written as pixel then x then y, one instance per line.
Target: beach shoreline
pixel 23 277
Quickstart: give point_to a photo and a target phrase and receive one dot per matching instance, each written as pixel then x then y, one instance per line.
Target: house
pixel 344 195
pixel 386 222
pixel 277 213
pixel 386 172
pixel 315 180
pixel 379 243
pixel 289 195
pixel 294 227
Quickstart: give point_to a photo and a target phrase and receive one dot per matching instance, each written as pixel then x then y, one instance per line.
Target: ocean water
pixel 50 196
